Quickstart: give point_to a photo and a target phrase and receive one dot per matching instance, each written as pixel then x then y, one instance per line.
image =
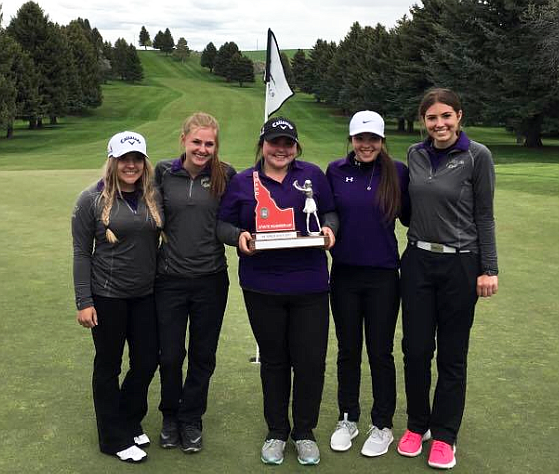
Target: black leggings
pixel 120 409
pixel 292 333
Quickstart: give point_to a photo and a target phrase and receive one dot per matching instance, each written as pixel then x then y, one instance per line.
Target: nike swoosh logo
pixel 164 436
pixel 367 121
pixel 196 440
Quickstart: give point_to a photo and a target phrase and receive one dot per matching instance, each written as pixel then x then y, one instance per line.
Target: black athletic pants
pixel 198 303
pixel 365 298
pixel 120 409
pixel 438 301
pixel 292 333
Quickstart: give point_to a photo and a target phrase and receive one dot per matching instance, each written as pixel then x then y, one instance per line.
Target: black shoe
pixel 191 438
pixel 169 437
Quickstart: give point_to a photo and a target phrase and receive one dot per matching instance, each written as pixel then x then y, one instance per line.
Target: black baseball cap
pixel 279 127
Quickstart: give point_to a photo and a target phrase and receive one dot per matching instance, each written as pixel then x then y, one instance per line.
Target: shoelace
pixel 344 424
pixel 375 432
pixel 408 437
pixel 270 443
pixel 306 443
pixel 439 446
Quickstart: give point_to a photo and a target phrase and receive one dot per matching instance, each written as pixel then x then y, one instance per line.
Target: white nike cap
pixel 125 142
pixel 366 121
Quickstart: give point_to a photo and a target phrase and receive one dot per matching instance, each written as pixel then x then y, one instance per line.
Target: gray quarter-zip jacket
pixel 191 248
pixel 125 269
pixel 453 205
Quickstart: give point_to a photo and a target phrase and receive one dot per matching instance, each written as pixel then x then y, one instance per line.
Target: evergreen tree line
pixel 228 62
pixel 501 56
pixel 164 42
pixel 48 70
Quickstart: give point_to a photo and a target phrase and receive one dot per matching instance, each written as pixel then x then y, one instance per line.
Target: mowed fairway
pixel 511 424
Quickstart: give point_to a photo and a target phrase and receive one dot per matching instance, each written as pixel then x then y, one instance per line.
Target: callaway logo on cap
pixel 279 127
pixel 126 142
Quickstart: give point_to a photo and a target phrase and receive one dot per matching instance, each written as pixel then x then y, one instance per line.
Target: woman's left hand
pixel 487 285
pixel 331 237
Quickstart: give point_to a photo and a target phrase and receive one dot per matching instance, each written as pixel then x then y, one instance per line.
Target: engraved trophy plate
pixel 275 227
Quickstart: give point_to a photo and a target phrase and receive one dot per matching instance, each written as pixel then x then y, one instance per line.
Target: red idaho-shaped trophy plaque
pixel 275 227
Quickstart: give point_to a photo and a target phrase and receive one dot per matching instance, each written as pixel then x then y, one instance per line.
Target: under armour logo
pixel 349 179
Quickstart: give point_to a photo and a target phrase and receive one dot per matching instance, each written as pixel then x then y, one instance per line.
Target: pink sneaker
pixel 410 443
pixel 442 455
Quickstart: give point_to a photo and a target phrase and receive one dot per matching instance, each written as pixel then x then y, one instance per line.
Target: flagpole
pixel 279 91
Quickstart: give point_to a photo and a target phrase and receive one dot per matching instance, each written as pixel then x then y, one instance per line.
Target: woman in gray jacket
pixel 115 228
pixel 450 261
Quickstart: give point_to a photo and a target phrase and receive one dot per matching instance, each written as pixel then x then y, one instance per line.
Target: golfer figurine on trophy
pixel 310 204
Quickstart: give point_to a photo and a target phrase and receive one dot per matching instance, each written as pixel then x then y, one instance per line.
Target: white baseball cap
pixel 125 142
pixel 366 121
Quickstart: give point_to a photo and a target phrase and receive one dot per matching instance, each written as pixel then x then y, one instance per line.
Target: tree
pixel 299 68
pixel 144 38
pixel 119 58
pixel 223 58
pixel 168 43
pixel 182 50
pixel 320 59
pixel 133 71
pixel 494 61
pixel 86 61
pixel 286 68
pixel 241 69
pixel 208 56
pixel 159 40
pixel 8 90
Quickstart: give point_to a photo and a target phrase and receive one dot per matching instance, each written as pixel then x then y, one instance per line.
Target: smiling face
pixel 200 146
pixel 278 154
pixel 443 124
pixel 367 146
pixel 130 168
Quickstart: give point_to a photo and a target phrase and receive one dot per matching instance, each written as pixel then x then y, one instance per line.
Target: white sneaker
pixel 132 454
pixel 343 434
pixel 378 442
pixel 142 440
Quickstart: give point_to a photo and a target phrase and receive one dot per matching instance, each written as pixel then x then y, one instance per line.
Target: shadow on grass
pixel 511 154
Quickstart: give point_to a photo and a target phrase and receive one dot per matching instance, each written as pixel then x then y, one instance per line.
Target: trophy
pixel 275 227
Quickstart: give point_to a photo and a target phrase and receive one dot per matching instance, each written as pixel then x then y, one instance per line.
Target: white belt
pixel 437 248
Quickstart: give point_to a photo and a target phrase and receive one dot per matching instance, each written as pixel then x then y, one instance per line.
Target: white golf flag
pixel 277 87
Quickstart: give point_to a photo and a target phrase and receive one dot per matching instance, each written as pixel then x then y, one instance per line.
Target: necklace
pixel 372 174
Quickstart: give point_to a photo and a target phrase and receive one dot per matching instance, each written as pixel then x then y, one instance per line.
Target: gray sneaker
pixel 343 434
pixel 272 451
pixel 307 451
pixel 378 442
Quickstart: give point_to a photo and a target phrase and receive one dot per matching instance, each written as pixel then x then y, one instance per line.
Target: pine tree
pixel 241 69
pixel 299 68
pixel 119 60
pixel 223 58
pixel 287 68
pixel 159 40
pixel 182 51
pixel 144 38
pixel 8 90
pixel 319 62
pixel 134 71
pixel 208 56
pixel 168 42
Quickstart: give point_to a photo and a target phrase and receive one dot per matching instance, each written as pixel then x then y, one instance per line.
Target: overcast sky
pixel 296 24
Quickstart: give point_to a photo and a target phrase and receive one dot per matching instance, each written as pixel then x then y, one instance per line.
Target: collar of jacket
pixel 177 168
pixel 462 144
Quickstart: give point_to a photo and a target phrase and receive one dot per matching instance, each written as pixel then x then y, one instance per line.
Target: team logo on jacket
pixel 455 164
pixel 205 182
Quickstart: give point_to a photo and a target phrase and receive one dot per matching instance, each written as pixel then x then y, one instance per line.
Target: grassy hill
pixel 510 424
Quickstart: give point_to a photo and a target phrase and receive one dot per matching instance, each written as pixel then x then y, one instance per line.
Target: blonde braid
pixel 111 187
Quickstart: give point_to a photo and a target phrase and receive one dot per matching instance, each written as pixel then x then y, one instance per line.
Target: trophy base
pixel 291 242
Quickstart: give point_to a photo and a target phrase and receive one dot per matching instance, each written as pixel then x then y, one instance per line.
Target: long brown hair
pixel 218 178
pixel 388 195
pixel 112 189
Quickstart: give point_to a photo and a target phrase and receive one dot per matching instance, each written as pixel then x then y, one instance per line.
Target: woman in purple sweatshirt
pixel 370 191
pixel 285 291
